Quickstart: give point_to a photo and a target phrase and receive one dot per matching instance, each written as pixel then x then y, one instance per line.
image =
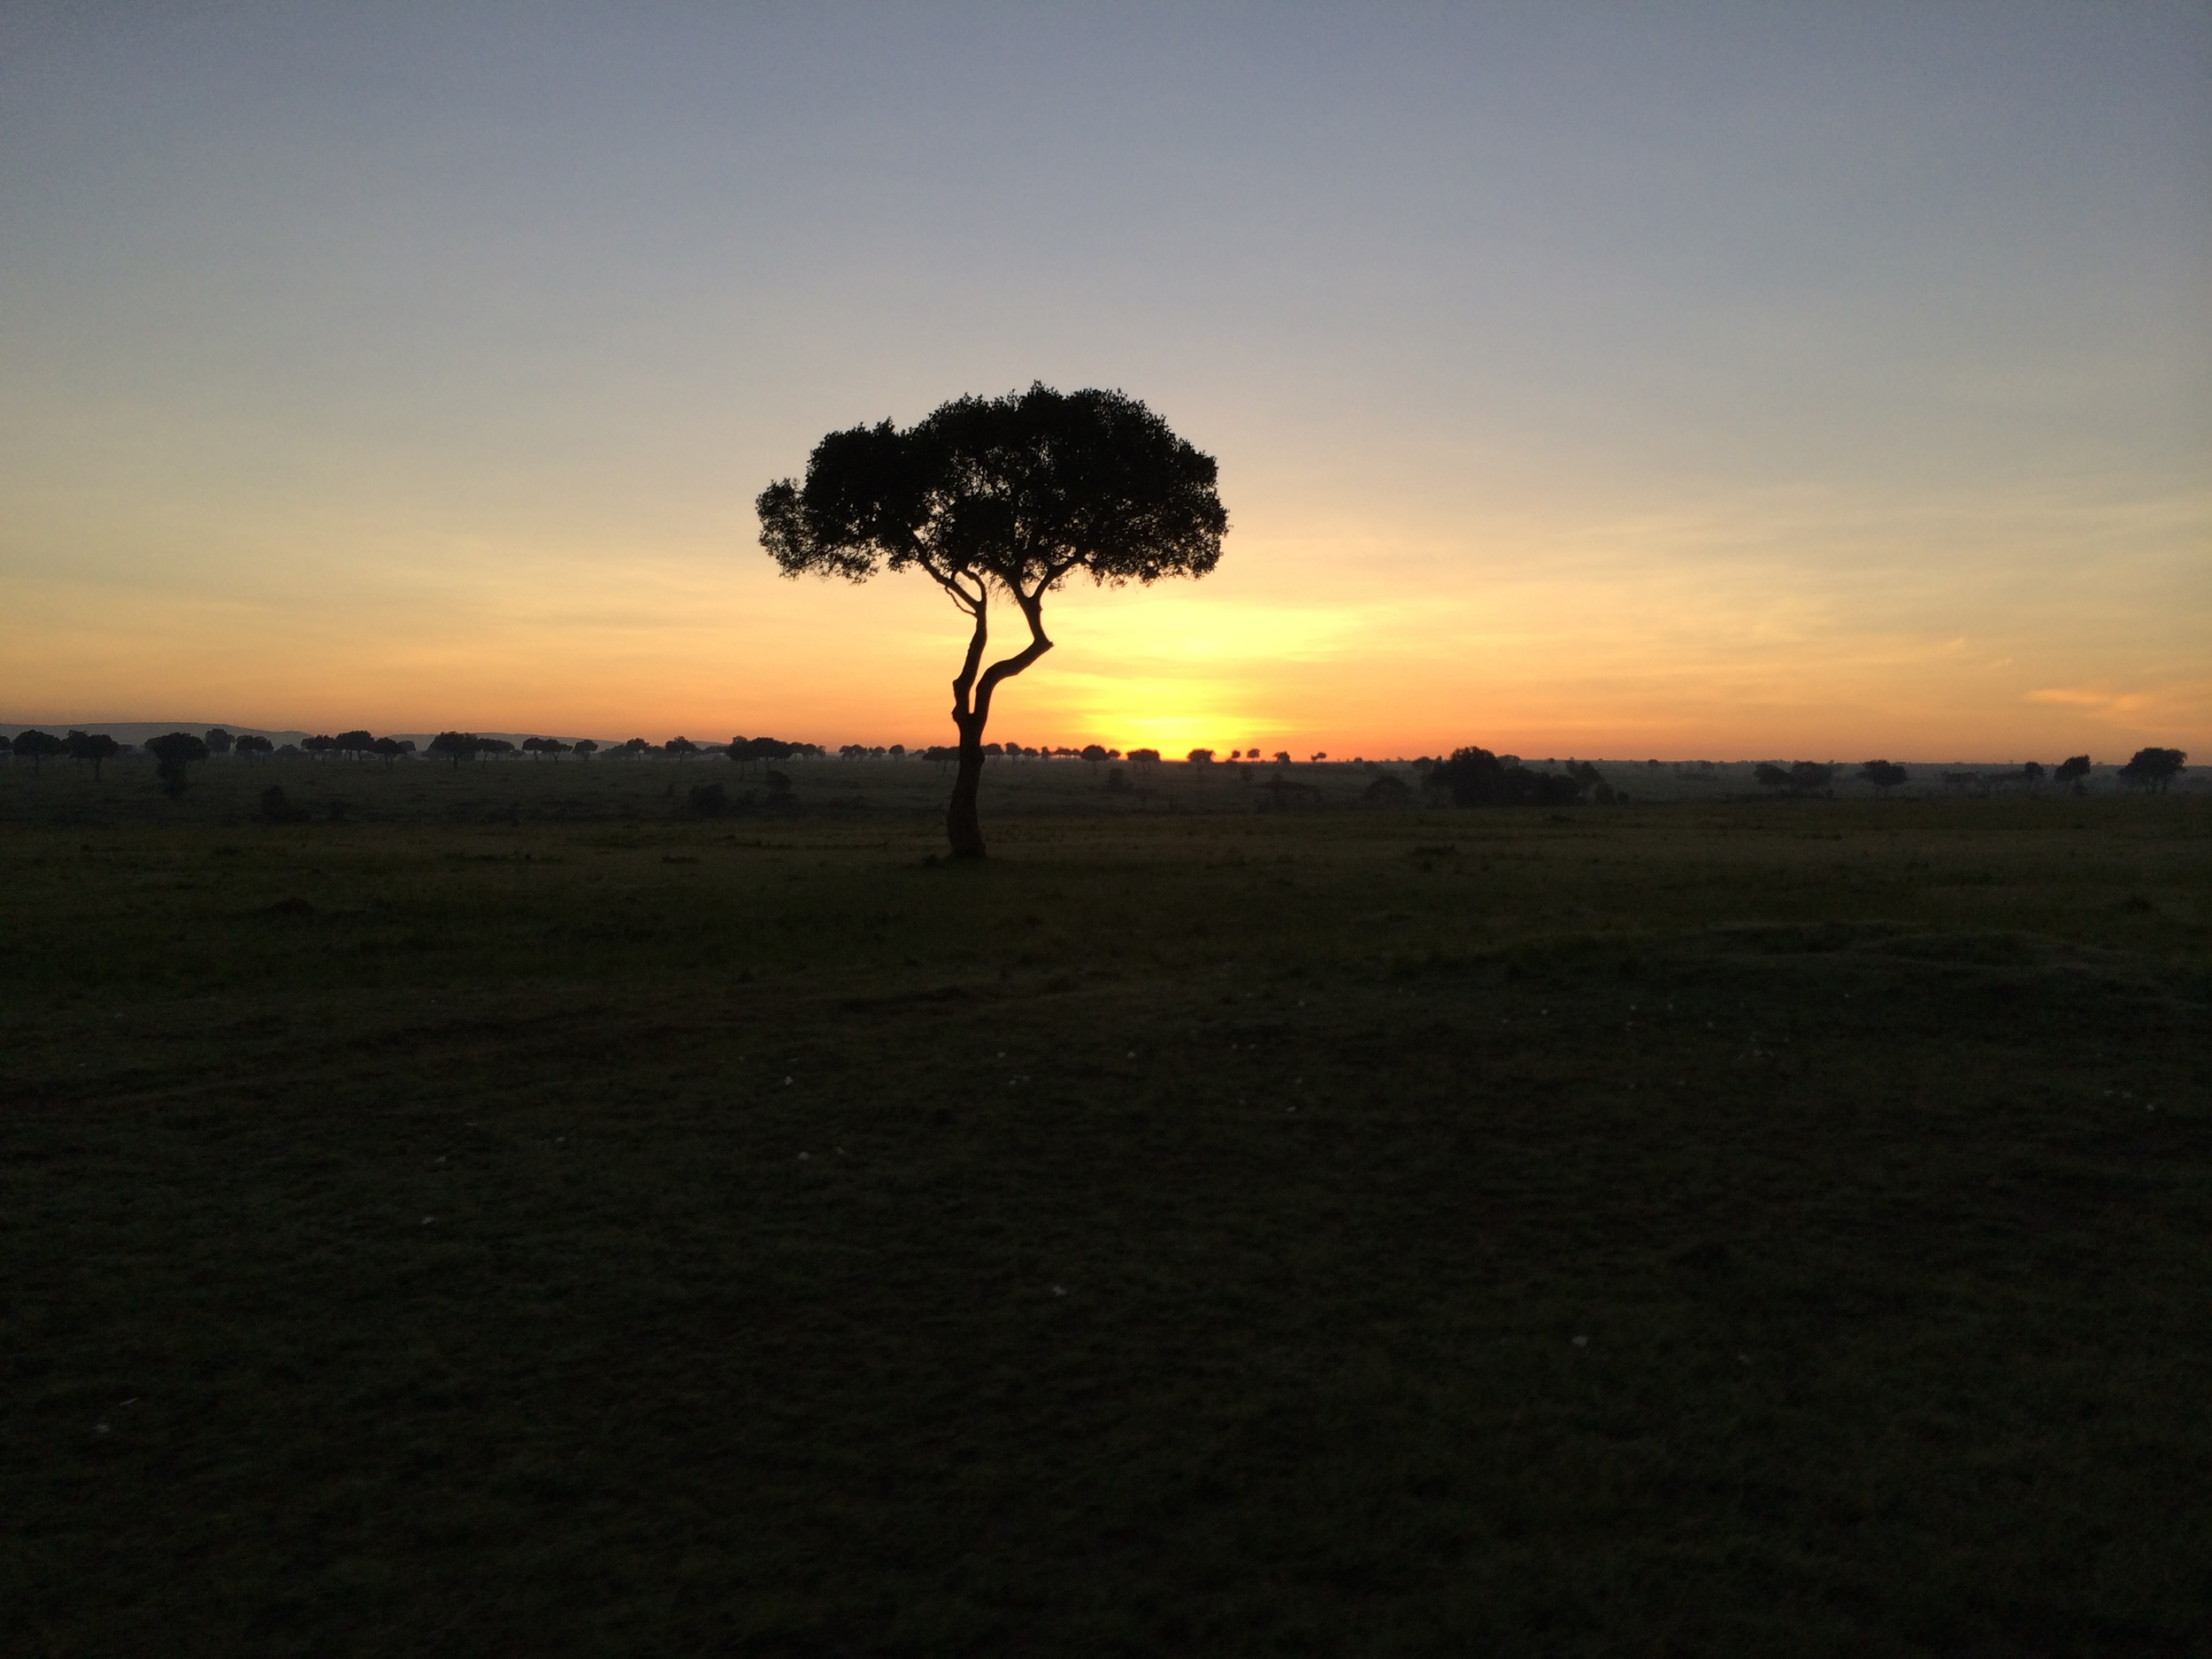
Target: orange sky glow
pixel 1811 387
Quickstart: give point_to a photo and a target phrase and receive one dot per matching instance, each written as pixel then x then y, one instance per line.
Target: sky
pixel 1803 381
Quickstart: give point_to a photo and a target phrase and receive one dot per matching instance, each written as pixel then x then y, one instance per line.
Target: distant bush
pixel 1803 777
pixel 278 808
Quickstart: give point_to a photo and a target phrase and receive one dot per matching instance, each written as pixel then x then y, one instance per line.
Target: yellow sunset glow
pixel 1592 406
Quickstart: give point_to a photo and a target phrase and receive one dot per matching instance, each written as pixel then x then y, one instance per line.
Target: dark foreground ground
pixel 1761 1228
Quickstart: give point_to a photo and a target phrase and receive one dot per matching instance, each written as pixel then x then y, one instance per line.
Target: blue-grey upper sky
pixel 1882 334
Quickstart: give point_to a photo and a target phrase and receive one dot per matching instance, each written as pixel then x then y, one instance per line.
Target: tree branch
pixel 965 681
pixel 1032 610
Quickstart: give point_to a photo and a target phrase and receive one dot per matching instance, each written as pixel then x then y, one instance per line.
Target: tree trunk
pixel 962 827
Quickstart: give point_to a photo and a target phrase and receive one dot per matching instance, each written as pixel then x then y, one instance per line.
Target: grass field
pixel 524 1218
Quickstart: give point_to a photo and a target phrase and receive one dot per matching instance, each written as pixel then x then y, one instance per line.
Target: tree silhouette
pixel 682 747
pixel 1012 495
pixel 251 745
pixel 454 746
pixel 93 745
pixel 1885 775
pixel 1475 777
pixel 354 744
pixel 172 753
pixel 2072 770
pixel 2154 768
pixel 391 749
pixel 218 741
pixel 585 748
pixel 35 747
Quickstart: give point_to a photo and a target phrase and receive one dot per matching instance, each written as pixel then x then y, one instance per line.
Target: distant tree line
pixel 1469 776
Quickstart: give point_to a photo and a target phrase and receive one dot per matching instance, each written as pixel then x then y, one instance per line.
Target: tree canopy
pixel 172 753
pixel 96 747
pixel 2154 768
pixel 1010 496
pixel 454 746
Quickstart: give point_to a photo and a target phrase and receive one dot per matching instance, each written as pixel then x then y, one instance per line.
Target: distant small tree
pixel 1282 757
pixel 35 747
pixel 454 746
pixel 319 746
pixel 2070 772
pixel 585 748
pixel 636 748
pixel 391 749
pixel 354 744
pixel 1146 757
pixel 2033 772
pixel 682 747
pixel 218 741
pixel 173 756
pixel 537 747
pixel 494 747
pixel 1806 776
pixel 1093 753
pixel 96 747
pixel 2154 768
pixel 1885 775
pixel 249 745
pixel 1200 757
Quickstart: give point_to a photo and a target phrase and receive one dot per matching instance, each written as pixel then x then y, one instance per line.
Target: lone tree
pixel 454 746
pixel 96 747
pixel 1008 495
pixel 1885 775
pixel 2072 770
pixel 172 753
pixel 35 747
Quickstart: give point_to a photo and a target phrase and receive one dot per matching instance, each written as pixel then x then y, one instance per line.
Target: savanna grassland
pixel 523 1216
